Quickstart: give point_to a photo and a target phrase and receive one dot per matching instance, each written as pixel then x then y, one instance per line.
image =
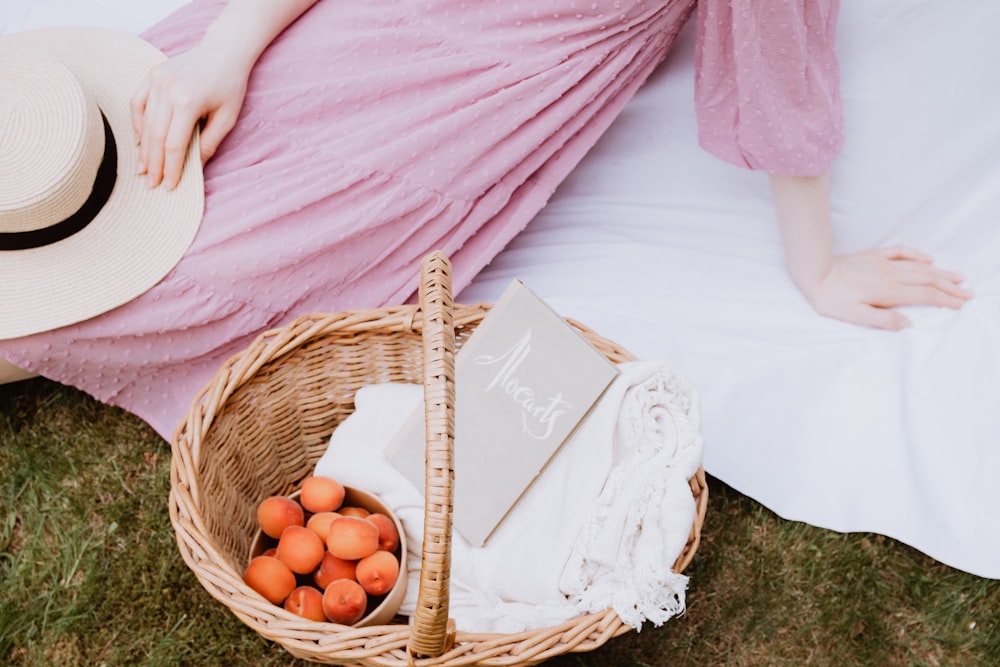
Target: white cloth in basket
pixel 599 528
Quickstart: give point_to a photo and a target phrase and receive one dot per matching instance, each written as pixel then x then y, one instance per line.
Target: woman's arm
pixel 206 84
pixel 768 98
pixel 860 287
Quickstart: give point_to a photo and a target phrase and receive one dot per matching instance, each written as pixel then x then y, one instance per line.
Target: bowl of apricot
pixel 329 553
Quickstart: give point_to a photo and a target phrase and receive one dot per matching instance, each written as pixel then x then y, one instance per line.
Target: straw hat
pixel 80 231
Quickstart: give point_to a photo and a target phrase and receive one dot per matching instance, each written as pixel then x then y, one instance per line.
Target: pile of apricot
pixel 331 561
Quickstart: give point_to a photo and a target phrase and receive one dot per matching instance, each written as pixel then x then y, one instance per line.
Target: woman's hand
pixel 204 85
pixel 199 86
pixel 861 288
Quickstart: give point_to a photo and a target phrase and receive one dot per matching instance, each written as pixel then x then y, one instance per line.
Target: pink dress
pixel 376 131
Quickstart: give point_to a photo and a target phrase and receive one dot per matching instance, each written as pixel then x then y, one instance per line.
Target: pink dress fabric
pixel 768 84
pixel 376 131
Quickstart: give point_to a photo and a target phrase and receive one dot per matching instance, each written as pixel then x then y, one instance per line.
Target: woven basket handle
pixel 430 635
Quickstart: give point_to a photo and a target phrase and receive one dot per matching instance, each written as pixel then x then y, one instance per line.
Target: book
pixel 524 380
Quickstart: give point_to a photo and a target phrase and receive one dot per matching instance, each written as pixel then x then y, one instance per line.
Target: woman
pixel 348 139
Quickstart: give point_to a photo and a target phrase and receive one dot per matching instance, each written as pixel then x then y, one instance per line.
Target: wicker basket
pixel 259 427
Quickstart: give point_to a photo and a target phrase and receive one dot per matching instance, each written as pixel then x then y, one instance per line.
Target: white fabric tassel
pixel 639 524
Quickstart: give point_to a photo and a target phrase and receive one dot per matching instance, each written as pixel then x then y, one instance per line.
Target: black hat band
pixel 104 183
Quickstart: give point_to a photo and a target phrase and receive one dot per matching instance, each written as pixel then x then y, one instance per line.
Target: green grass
pixel 90 573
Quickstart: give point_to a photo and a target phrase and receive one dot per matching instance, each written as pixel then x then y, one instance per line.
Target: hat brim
pixel 140 234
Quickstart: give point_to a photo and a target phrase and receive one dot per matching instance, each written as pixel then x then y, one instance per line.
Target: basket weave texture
pixel 260 425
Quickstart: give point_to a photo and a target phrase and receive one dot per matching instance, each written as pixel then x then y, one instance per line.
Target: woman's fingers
pixel 178 94
pixel 881 318
pixel 913 295
pixel 167 131
pixel 164 112
pixel 936 286
pixel 156 124
pixel 919 271
pixel 900 276
pixel 863 314
pixel 137 108
pixel 863 288
pixel 175 147
pixel 216 127
pixel 949 286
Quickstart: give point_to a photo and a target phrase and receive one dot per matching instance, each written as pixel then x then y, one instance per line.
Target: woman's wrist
pixel 225 44
pixel 802 208
pixel 245 28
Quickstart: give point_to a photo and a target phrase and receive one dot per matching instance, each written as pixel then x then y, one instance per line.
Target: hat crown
pixel 80 231
pixel 51 142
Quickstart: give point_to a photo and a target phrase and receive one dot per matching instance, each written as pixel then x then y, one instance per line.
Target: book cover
pixel 524 380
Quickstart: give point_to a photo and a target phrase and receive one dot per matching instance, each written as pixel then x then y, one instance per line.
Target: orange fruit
pixel 276 513
pixel 319 523
pixel 344 601
pixel 377 573
pixel 321 494
pixel 388 536
pixel 300 549
pixel 306 602
pixel 270 577
pixel 352 538
pixel 332 568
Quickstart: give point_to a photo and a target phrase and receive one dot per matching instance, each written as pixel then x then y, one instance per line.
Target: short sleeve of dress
pixel 767 84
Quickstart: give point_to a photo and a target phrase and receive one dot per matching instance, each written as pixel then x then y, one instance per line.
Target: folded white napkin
pixel 599 528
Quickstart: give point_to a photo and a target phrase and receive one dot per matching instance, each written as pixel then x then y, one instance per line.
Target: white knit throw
pixel 599 528
pixel 640 523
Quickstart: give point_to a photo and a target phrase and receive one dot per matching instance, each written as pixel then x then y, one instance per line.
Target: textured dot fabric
pixel 768 84
pixel 374 132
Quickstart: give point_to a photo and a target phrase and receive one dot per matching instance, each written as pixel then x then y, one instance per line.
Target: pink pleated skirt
pixel 373 133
